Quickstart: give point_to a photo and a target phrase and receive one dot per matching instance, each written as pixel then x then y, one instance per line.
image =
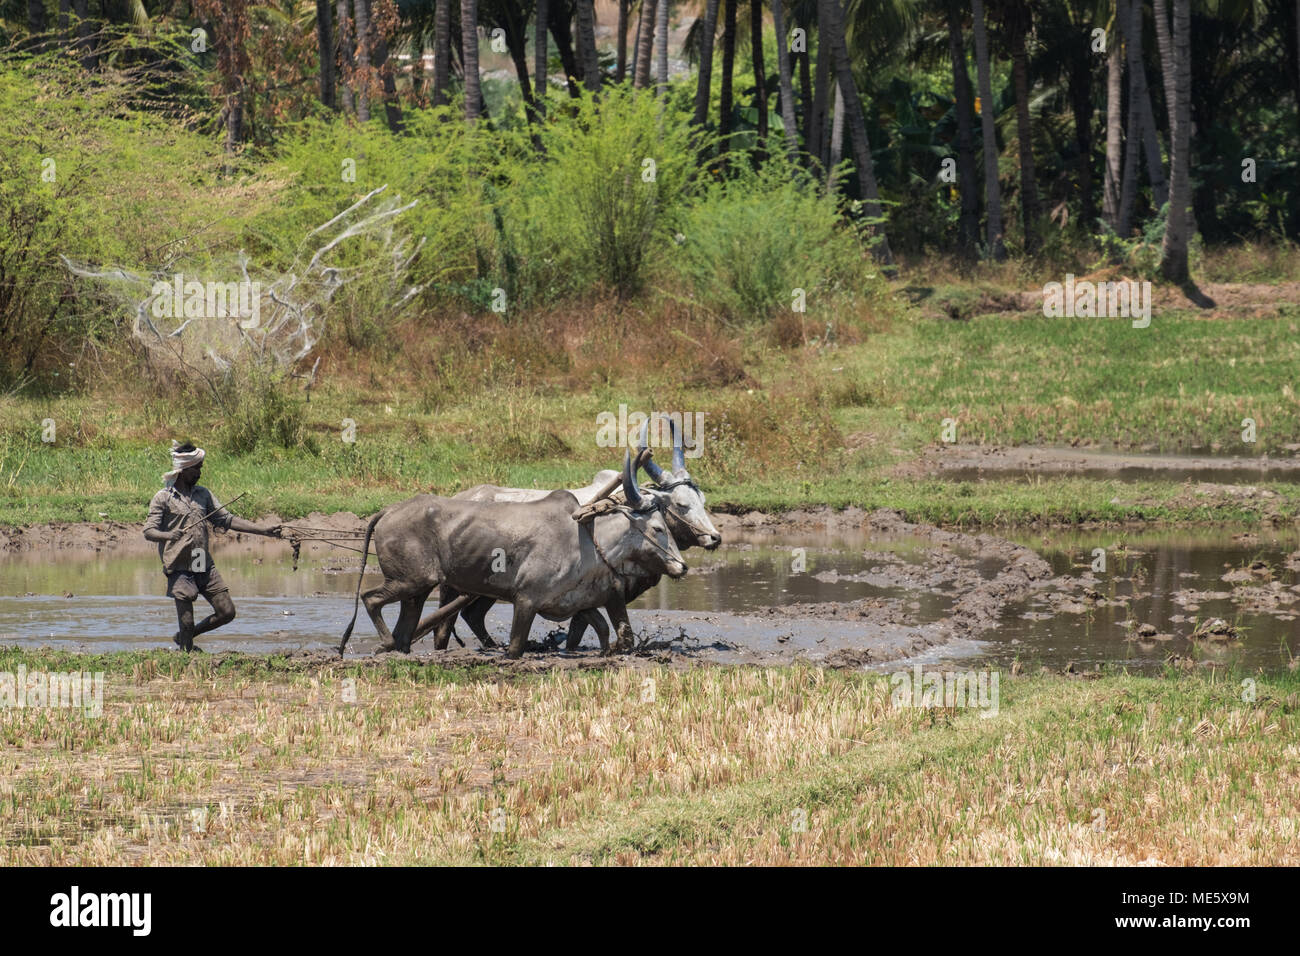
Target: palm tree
pixel 661 48
pixel 784 77
pixel 469 59
pixel 362 13
pixel 1017 21
pixel 587 45
pixel 728 64
pixel 620 65
pixel 992 190
pixel 1133 131
pixel 540 57
pixel 325 50
pixel 760 72
pixel 345 56
pixel 644 44
pixel 441 51
pixel 1110 201
pixel 968 224
pixel 1173 261
pixel 831 19
pixel 706 62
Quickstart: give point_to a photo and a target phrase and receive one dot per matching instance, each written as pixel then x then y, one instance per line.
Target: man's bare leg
pixel 185 617
pixel 223 612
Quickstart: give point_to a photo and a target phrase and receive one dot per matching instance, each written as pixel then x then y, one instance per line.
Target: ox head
pixel 655 550
pixel 688 518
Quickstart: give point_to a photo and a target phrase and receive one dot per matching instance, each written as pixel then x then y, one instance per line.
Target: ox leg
pixel 578 626
pixel 474 616
pixel 442 634
pixel 617 612
pixel 378 597
pixel 412 607
pixel 519 628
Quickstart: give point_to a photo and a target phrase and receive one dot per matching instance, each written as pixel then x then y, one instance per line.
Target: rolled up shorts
pixel 188 585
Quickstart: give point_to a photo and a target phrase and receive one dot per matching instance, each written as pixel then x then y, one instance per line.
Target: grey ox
pixel 536 554
pixel 684 507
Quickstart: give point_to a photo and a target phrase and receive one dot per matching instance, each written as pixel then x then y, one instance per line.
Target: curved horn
pixel 651 469
pixel 630 490
pixel 679 453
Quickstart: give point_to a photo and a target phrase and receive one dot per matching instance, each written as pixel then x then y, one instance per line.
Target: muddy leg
pixel 474 616
pixel 377 597
pixel 519 628
pixel 617 612
pixel 185 617
pixel 578 626
pixel 223 612
pixel 409 616
pixel 442 634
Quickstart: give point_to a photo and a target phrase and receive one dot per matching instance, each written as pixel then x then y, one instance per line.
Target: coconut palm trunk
pixel 728 65
pixel 702 86
pixel 587 45
pixel 835 148
pixel 1173 264
pixel 785 79
pixel 361 10
pixel 661 48
pixel 325 51
pixel 469 59
pixel 346 96
pixel 992 189
pixel 1133 128
pixel 620 66
pixel 817 139
pixel 559 16
pixel 760 74
pixel 1018 28
pixel 831 17
pixel 644 45
pixel 441 51
pixel 963 103
pixel 1114 112
pixel 541 57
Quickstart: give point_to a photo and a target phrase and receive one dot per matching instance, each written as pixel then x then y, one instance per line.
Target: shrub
pixel 604 200
pixel 754 239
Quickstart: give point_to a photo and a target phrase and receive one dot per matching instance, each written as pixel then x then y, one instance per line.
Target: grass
pixel 254 760
pixel 803 425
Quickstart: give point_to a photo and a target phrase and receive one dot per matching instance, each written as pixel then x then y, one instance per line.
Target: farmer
pixel 178 521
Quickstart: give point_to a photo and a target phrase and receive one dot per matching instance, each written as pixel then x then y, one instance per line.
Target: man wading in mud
pixel 178 521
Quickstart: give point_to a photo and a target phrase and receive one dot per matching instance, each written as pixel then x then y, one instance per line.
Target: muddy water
pixel 108 602
pixel 1170 580
pixel 855 598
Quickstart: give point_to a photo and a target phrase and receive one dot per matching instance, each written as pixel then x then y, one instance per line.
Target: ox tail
pixel 365 553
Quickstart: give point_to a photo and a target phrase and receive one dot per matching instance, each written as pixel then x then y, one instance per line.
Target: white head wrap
pixel 181 461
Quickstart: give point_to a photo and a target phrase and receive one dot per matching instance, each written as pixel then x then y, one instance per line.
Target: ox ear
pixel 654 471
pixel 631 493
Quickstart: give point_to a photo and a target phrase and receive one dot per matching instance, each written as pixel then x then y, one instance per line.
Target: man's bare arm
pixel 248 527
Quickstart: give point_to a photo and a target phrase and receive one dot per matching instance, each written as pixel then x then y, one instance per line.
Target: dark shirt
pixel 172 508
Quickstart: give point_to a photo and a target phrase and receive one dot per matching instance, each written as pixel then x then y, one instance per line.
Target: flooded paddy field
pixel 847 589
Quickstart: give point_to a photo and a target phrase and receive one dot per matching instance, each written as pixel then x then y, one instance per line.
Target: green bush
pixel 262 411
pixel 602 203
pixel 752 240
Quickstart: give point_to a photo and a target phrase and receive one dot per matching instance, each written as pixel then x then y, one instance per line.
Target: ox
pixel 547 557
pixel 684 507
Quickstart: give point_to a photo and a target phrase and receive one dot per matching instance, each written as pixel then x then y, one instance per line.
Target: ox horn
pixel 653 470
pixel 630 490
pixel 679 453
